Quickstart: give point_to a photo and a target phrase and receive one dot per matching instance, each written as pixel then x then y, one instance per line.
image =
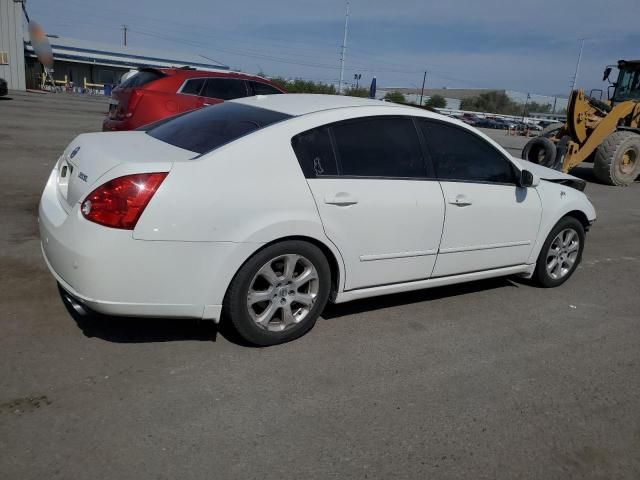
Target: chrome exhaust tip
pixel 75 304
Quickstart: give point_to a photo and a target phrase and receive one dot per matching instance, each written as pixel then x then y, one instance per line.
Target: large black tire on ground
pixel 617 159
pixel 540 150
pixel 551 130
pixel 236 311
pixel 541 274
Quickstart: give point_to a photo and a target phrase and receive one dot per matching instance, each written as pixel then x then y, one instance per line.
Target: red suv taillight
pixel 120 202
pixel 134 99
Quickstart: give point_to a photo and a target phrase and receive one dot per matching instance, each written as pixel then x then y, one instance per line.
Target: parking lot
pixel 493 379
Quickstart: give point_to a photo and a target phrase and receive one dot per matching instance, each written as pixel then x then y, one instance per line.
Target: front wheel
pixel 279 293
pixel 561 253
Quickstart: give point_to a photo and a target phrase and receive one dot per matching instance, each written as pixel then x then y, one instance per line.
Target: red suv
pixel 156 93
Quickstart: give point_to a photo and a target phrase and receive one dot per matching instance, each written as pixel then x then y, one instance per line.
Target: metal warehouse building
pixel 76 62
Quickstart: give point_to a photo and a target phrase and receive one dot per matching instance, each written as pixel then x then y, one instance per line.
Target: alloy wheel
pixel 283 292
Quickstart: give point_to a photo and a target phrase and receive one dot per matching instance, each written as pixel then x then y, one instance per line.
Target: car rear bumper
pixel 114 125
pixel 112 273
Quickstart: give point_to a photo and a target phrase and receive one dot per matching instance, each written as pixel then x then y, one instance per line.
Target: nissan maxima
pixel 260 210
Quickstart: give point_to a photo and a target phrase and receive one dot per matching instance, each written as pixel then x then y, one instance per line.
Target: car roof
pixel 192 72
pixel 297 104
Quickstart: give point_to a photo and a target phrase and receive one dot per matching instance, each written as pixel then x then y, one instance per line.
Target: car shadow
pixel 139 330
pixel 157 330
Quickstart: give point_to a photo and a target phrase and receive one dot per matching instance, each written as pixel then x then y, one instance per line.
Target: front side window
pixel 208 128
pixel 461 155
pixel 193 86
pixel 379 147
pixel 224 88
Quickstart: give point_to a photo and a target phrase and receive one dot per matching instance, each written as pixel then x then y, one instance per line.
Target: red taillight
pixel 120 202
pixel 134 99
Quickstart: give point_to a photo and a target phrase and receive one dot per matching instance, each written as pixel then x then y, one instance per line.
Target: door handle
pixel 341 199
pixel 460 201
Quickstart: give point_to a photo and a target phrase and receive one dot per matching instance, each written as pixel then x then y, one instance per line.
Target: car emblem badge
pixel 75 151
pixel 82 176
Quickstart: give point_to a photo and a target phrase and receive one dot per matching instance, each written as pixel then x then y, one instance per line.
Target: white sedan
pixel 260 210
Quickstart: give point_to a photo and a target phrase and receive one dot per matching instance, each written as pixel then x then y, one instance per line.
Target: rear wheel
pixel 617 159
pixel 561 253
pixel 279 293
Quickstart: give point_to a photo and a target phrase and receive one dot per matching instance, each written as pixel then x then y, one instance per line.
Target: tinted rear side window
pixel 208 128
pixel 314 152
pixel 193 86
pixel 224 88
pixel 263 89
pixel 379 147
pixel 462 155
pixel 141 78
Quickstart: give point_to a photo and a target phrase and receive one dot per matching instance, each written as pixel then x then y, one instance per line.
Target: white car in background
pixel 262 209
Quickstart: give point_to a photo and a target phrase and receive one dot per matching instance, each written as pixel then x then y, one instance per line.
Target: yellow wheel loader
pixel 605 133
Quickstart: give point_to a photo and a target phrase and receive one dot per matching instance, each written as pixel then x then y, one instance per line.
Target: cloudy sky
pixel 518 45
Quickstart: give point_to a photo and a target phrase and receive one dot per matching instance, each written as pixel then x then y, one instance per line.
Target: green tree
pixel 491 102
pixel 436 101
pixel 357 92
pixel 396 97
pixel 304 86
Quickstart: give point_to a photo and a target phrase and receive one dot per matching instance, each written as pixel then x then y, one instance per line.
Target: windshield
pixel 208 128
pixel 628 86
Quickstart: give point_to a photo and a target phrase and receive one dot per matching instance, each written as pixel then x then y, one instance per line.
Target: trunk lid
pixel 91 155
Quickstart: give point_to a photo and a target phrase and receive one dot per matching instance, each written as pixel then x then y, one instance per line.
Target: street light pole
pixel 575 75
pixel 344 48
pixel 524 110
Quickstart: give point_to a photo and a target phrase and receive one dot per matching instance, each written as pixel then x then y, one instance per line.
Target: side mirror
pixel 607 72
pixel 528 179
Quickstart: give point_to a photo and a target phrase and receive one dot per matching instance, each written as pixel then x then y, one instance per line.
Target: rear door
pixel 189 95
pixel 490 221
pixel 377 199
pixel 219 89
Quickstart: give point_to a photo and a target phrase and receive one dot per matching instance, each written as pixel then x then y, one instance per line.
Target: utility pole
pixel 124 31
pixel 575 75
pixel 344 48
pixel 524 110
pixel 424 79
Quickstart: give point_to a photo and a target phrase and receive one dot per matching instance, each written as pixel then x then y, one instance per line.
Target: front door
pixel 490 222
pixel 378 203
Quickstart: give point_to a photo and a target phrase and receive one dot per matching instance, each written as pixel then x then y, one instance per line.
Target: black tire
pixel 541 274
pixel 609 164
pixel 540 150
pixel 236 309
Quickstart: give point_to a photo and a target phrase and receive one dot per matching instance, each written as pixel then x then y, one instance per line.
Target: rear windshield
pixel 141 78
pixel 208 128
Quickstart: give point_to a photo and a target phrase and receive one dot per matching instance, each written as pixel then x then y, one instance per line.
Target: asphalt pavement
pixel 495 379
